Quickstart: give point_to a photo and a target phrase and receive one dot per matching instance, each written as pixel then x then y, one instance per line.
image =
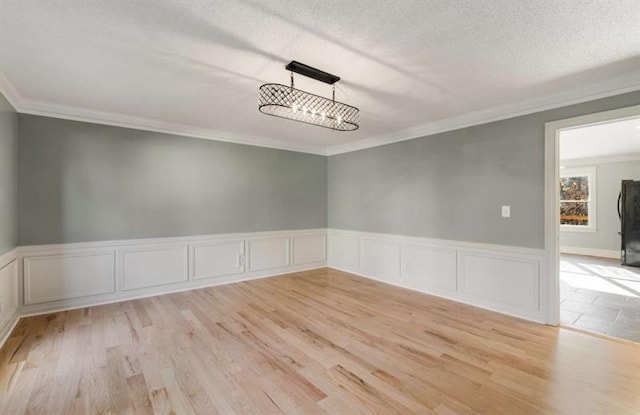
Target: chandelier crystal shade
pixel 294 104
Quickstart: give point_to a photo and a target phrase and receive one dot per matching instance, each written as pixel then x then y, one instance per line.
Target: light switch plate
pixel 506 211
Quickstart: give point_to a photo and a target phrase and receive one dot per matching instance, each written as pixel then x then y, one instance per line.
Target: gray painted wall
pixel 452 185
pixel 608 177
pixel 8 176
pixel 87 182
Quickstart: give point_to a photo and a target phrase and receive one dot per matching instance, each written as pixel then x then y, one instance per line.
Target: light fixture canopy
pixel 295 104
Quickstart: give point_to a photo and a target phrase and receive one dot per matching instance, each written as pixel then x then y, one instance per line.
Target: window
pixel 577 199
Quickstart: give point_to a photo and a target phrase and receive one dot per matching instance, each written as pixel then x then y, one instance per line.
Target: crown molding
pixel 32 107
pixel 620 85
pixel 120 120
pixel 10 92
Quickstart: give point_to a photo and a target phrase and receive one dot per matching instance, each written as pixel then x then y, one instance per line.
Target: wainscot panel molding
pixel 309 248
pixel 268 253
pixel 506 279
pixel 66 276
pixel 154 265
pixel 500 279
pixel 217 258
pixel 344 250
pixel 431 266
pixel 380 258
pixel 9 297
pixel 58 276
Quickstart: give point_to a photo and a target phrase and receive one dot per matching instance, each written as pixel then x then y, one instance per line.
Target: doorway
pixel 587 158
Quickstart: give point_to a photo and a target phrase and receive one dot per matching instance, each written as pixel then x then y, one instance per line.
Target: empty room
pixel 320 207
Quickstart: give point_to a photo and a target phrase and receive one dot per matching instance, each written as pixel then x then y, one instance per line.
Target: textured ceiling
pixel 197 65
pixel 602 140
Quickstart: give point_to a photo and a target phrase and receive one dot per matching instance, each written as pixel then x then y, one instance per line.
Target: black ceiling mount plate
pixel 312 72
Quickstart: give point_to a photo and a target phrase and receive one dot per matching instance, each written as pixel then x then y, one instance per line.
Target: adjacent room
pixel 320 207
pixel 599 274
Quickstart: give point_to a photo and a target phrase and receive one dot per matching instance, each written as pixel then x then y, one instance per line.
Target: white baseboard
pixel 602 253
pixel 506 279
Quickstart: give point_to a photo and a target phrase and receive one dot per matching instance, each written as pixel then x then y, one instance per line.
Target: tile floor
pixel 600 295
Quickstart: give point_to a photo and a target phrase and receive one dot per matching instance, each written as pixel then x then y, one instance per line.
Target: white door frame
pixel 552 203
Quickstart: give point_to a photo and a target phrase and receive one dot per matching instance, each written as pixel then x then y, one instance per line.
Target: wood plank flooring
pixel 316 342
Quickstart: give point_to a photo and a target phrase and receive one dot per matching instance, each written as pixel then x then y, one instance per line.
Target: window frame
pixel 590 174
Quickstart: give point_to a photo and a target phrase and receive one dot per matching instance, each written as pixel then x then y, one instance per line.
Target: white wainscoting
pixel 217 258
pixel 58 277
pixel 154 265
pixel 40 279
pixel 68 275
pixel 500 278
pixel 344 251
pixel 269 253
pixel 429 266
pixel 380 259
pixel 9 298
pixel 504 281
pixel 309 248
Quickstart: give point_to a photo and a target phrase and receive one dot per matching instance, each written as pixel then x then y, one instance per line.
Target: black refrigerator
pixel 629 213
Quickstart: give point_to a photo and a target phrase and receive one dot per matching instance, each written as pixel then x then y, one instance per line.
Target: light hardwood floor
pixel 313 342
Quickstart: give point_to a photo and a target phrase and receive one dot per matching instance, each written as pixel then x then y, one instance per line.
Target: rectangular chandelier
pixel 295 104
